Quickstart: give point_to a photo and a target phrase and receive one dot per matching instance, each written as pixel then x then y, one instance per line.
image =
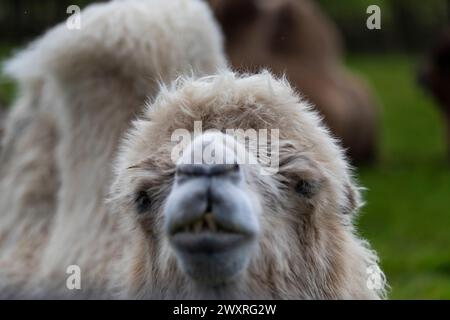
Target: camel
pixel 89 177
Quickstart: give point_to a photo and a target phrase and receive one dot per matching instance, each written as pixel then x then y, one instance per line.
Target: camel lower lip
pixel 207 242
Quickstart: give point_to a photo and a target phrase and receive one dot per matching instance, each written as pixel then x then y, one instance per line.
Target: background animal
pixel 294 37
pixel 78 91
pixel 435 76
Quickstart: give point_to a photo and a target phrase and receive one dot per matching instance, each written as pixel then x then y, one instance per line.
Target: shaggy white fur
pixel 78 91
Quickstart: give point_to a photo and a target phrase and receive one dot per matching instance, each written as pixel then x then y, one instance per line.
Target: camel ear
pixel 353 199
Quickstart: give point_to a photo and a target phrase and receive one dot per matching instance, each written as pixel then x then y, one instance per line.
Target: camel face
pixel 218 226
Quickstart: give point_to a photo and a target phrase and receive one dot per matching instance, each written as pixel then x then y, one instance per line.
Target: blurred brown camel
pixel 435 76
pixel 294 37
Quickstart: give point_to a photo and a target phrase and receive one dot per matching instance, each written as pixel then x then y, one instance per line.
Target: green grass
pixel 7 88
pixel 407 216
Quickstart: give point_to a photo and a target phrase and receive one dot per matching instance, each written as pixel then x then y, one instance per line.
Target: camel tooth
pixel 210 223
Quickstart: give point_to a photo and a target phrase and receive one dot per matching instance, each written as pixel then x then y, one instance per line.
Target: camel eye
pixel 307 188
pixel 143 202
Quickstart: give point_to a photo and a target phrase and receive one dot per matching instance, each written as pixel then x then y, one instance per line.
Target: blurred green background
pixel 407 212
pixel 407 215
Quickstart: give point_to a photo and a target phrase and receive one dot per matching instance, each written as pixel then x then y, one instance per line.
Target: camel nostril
pixel 208 170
